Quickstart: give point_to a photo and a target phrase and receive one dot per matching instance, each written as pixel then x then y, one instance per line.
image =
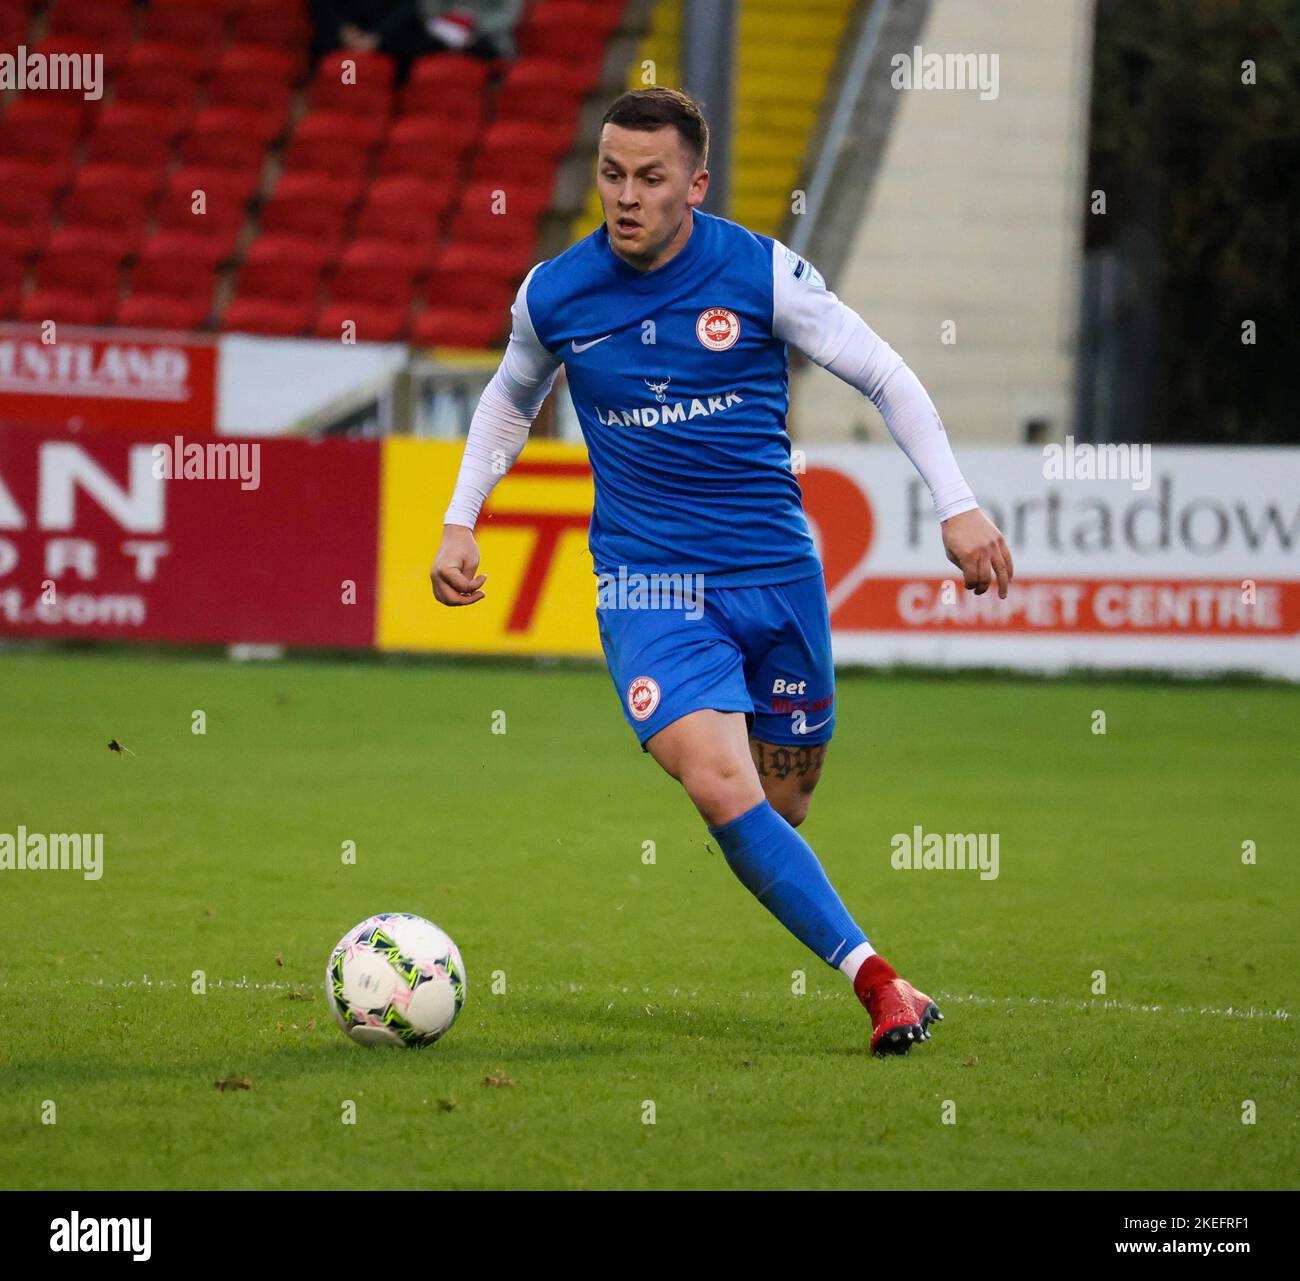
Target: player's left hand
pixel 976 546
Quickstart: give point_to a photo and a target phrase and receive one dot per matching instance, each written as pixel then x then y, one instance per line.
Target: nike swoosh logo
pixel 800 723
pixel 577 346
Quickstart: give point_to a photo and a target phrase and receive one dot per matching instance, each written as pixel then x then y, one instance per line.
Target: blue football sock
pixel 778 867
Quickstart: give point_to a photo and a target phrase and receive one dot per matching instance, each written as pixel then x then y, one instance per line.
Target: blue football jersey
pixel 681 389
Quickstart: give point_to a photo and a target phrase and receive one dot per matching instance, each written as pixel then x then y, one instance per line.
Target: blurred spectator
pixel 407 29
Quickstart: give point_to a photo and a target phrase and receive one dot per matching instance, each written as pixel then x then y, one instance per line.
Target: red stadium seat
pixel 343 126
pixel 499 265
pixel 23 240
pixel 506 202
pixel 102 25
pixel 373 322
pixel 244 120
pixel 483 277
pixel 184 249
pixel 10 292
pixel 600 16
pixel 470 74
pixel 301 255
pixel 223 8
pixel 541 90
pixel 310 204
pixel 37 127
pixel 279 23
pixel 75 259
pixel 446 101
pixel 185 21
pixel 396 258
pixel 371 284
pixel 417 253
pixel 568 34
pixel 112 196
pixel 477 218
pixel 487 295
pixel 68 307
pixel 368 89
pixel 225 196
pixel 259 60
pixel 509 170
pixel 527 136
pixel 160 311
pixel 271 319
pixel 169 56
pixel 138 134
pixel 398 208
pixel 332 144
pixel 284 269
pixel 171 88
pixel 175 217
pixel 269 95
pixel 226 138
pixel 165 275
pixel 28 191
pixel 24 198
pixel 40 173
pixel 518 154
pixel 114 200
pixel 14 18
pixel 457 327
pixel 426 147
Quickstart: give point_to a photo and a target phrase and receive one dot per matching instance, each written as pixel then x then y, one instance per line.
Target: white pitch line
pixel 1057 1002
pixel 1127 1007
pixel 146 981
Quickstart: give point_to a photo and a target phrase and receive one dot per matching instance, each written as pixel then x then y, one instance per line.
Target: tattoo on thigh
pixel 780 762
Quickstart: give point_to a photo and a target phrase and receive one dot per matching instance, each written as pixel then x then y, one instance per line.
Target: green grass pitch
pixel 629 984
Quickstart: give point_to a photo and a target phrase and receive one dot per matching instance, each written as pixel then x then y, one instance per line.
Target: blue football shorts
pixel 764 651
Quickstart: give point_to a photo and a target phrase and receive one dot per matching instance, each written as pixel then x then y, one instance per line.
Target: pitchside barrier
pixel 1190 563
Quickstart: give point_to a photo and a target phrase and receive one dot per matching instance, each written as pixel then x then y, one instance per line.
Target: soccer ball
pixel 395 979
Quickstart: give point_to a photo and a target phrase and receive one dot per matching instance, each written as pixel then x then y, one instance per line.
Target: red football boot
pixel 900 1015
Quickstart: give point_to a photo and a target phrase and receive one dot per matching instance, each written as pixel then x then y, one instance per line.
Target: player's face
pixel 647 185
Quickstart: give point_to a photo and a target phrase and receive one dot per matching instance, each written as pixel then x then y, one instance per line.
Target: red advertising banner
pixel 1180 607
pixel 107 378
pixel 131 535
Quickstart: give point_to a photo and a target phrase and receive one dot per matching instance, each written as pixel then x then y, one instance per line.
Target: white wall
pixel 976 217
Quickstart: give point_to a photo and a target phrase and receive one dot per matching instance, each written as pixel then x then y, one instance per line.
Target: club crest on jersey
pixel 643 697
pixel 717 328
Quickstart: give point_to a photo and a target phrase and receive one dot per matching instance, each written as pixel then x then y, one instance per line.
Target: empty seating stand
pixel 224 182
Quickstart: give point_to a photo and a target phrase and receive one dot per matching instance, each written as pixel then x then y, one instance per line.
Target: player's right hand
pixel 455 576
